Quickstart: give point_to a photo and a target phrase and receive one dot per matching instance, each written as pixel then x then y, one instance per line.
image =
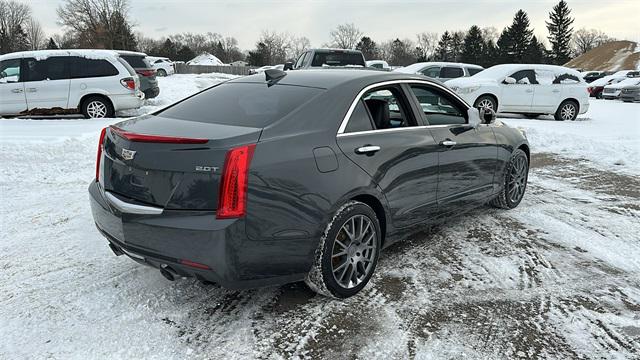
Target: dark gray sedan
pixel 307 175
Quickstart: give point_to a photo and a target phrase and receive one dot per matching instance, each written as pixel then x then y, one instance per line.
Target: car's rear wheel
pixel 161 72
pixel 96 107
pixel 568 110
pixel 348 252
pixel 515 179
pixel 486 102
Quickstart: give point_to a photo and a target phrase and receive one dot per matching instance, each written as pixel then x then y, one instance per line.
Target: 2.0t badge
pixel 128 154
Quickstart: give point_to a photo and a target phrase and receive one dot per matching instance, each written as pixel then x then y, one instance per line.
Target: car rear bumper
pixel 174 238
pixel 127 101
pixel 150 93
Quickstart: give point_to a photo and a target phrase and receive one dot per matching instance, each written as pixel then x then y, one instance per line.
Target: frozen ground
pixel 558 277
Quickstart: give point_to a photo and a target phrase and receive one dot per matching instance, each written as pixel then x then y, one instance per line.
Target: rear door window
pixel 450 72
pixel 242 104
pixel 10 71
pixel 360 119
pixel 52 68
pixel 524 77
pixel 432 72
pixel 88 68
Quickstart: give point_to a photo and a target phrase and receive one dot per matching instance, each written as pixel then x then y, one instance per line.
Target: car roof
pixel 130 53
pixel 43 54
pixel 350 51
pixel 330 78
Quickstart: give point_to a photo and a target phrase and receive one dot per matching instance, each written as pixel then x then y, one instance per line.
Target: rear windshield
pixel 337 59
pixel 135 61
pixel 242 104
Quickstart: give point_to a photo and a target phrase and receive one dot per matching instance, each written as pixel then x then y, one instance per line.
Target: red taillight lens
pixel 156 138
pixel 99 156
pixel 232 199
pixel 194 264
pixel 129 83
pixel 146 72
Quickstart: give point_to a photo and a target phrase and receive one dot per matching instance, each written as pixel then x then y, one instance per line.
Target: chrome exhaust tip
pixel 168 272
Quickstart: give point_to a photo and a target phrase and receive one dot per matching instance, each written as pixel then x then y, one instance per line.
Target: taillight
pixel 146 72
pixel 194 264
pixel 232 199
pixel 99 156
pixel 135 137
pixel 129 83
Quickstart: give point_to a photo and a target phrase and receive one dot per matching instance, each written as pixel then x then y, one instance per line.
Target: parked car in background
pixel 378 64
pixel 260 69
pixel 630 93
pixel 370 156
pixel 322 58
pixel 443 71
pixel 597 87
pixel 612 91
pixel 95 83
pixel 163 66
pixel 531 90
pixel 148 81
pixel 590 76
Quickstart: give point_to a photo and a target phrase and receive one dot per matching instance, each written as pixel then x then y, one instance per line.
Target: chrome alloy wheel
pixel 517 179
pixel 354 251
pixel 96 109
pixel 568 111
pixel 485 104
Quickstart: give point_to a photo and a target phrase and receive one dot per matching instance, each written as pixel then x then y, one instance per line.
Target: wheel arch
pixel 378 208
pixel 491 95
pixel 525 147
pixel 90 95
pixel 573 100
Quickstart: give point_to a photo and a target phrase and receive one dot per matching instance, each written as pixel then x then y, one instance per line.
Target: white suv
pixel 95 83
pixel 164 66
pixel 531 90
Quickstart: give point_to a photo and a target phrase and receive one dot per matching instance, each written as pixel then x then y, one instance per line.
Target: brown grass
pixel 613 56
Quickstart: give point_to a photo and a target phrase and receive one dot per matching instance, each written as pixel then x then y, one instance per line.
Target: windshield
pixel 242 104
pixel 337 59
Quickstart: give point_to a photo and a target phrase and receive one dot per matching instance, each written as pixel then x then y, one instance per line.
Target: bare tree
pixel 585 40
pixel 297 46
pixel 345 36
pixel 13 18
pixel 35 35
pixel 490 33
pixel 427 44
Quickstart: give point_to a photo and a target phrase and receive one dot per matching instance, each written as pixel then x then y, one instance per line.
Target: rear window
pixel 337 59
pixel 451 72
pixel 87 68
pixel 473 71
pixel 241 104
pixel 135 61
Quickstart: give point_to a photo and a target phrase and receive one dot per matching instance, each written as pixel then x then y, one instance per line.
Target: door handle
pixel 448 143
pixel 556 91
pixel 32 90
pixel 529 91
pixel 367 149
pixel 16 91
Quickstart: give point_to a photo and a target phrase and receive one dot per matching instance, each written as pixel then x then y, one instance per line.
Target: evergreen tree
pixel 515 39
pixel 185 54
pixel 490 54
pixel 402 53
pixel 456 45
pixel 504 47
pixel 535 52
pixel 168 50
pixel 260 56
pixel 472 46
pixel 443 51
pixel 121 34
pixel 368 47
pixel 560 32
pixel 51 45
pixel 21 40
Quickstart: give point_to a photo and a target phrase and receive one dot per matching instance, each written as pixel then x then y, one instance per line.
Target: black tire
pixel 512 179
pixel 568 110
pixel 96 107
pixel 161 72
pixel 599 95
pixel 486 101
pixel 321 278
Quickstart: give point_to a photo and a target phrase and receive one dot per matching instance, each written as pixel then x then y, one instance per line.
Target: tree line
pixel 106 24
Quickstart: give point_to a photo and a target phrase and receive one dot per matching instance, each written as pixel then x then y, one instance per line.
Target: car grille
pixel 630 91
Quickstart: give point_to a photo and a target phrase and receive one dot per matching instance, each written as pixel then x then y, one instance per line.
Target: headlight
pixel 467 90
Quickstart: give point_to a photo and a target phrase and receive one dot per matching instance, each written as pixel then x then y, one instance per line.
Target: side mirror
pixel 288 65
pixel 509 80
pixel 487 116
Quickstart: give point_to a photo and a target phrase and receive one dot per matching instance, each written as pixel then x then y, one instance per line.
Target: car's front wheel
pixel 515 179
pixel 486 102
pixel 348 252
pixel 568 110
pixel 161 72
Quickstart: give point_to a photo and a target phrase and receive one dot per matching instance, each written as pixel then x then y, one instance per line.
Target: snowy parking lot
pixel 558 277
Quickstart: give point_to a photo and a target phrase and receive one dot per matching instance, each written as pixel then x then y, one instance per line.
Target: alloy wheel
pixel 96 109
pixel 354 251
pixel 517 179
pixel 485 104
pixel 568 112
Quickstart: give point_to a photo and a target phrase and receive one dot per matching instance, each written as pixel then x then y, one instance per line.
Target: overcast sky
pixel 379 19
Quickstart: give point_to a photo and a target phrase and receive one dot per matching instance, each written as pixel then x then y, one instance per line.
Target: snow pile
pixel 205 59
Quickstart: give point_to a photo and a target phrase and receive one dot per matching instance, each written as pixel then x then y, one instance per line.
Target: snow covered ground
pixel 558 277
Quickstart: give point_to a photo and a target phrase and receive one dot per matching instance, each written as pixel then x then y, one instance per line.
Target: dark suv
pixel 322 58
pixel 146 72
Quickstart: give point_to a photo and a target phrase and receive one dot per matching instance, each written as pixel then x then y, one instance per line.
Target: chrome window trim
pixel 345 120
